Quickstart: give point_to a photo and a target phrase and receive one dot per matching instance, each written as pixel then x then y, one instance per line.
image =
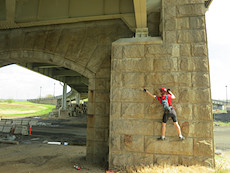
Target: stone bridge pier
pixel 177 60
pixel 112 49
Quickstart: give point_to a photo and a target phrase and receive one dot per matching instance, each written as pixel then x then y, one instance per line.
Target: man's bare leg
pixel 179 131
pixel 163 129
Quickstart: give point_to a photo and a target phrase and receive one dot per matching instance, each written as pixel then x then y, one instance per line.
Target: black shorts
pixel 171 114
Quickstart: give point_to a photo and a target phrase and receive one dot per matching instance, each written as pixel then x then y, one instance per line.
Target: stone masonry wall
pixel 179 61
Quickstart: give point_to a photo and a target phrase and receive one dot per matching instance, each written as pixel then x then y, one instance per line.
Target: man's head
pixel 163 91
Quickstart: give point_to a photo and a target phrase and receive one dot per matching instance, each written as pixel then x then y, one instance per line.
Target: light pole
pixel 54 89
pixel 226 94
pixel 40 92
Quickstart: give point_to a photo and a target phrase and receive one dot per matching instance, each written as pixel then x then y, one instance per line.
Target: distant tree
pixel 49 95
pixel 9 100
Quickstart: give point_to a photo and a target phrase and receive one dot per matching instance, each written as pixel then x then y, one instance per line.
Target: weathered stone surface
pixel 132 127
pixel 116 79
pixel 18 130
pixel 115 110
pixel 196 129
pixel 99 134
pixel 195 64
pixel 166 159
pixel 103 73
pixel 202 112
pixel 170 12
pixel 185 50
pixel 115 94
pixel 171 37
pixel 9 122
pixel 6 129
pixel 182 23
pixel 132 110
pixel 197 22
pixel 117 52
pixel 191 36
pixel 186 95
pixel 131 65
pixel 165 64
pixel 190 10
pixel 102 84
pixel 199 50
pixel 171 145
pixel 132 143
pixel 184 2
pixel 100 108
pixel 1 128
pixel 153 111
pixel 184 111
pixel 2 122
pixel 115 142
pixel 203 147
pixel 170 128
pixel 202 95
pixel 133 79
pixel 170 25
pixel 158 50
pixel 200 80
pixel 128 159
pixel 102 96
pixel 134 95
pixel 133 51
pixel 203 161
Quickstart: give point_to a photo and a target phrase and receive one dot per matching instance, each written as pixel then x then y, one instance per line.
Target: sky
pixel 19 83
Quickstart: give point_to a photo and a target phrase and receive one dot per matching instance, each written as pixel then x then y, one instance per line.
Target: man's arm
pixel 153 96
pixel 172 95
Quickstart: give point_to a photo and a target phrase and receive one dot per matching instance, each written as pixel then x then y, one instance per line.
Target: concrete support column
pixel 64 97
pixel 78 98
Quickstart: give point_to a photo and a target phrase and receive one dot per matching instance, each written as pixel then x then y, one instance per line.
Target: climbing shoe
pixel 161 139
pixel 182 138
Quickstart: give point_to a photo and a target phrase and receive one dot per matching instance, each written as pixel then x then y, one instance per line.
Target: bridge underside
pixel 81 44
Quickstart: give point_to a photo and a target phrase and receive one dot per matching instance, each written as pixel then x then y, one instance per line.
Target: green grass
pixel 222 123
pixel 18 107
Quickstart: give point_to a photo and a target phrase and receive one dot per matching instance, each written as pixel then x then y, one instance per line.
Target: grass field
pixel 23 109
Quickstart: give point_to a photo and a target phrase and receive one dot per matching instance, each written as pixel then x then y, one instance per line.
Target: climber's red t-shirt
pixel 168 98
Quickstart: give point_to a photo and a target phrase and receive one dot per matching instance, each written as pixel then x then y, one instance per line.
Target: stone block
pixel 133 79
pixel 100 108
pixel 171 37
pixel 101 84
pixel 170 129
pixel 103 73
pixel 116 79
pixel 184 2
pixel 197 22
pixel 191 36
pixel 165 64
pixel 121 160
pixel 190 10
pixel 18 130
pixel 170 12
pixel 184 79
pixel 185 50
pixel 172 145
pixel 170 25
pixel 132 127
pixel 133 51
pixel 90 133
pixel 133 143
pixel 101 148
pixel 115 142
pixel 134 95
pixel 182 23
pixel 195 64
pixel 115 94
pixel 159 50
pixel 132 65
pixel 132 110
pixel 101 121
pixel 199 50
pixel 99 134
pixel 117 52
pixel 203 161
pixel 102 96
pixel 200 79
pixel 153 111
pixel 2 122
pixel 184 111
pixel 169 79
pixel 1 128
pixel 24 130
pixel 186 95
pixel 115 110
pixel 6 129
pixel 9 122
pixel 202 112
pixel 203 147
pixel 202 95
pixel 166 160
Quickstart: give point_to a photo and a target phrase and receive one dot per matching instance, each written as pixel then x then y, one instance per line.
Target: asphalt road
pixel 222 138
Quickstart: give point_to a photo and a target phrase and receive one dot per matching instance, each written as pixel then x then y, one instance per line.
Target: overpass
pixel 110 49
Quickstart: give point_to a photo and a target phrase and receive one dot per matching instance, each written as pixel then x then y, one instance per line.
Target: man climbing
pixel 165 100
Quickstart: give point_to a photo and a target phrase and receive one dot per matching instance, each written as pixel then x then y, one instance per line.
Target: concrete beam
pixel 77 80
pixel 141 18
pixel 10 10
